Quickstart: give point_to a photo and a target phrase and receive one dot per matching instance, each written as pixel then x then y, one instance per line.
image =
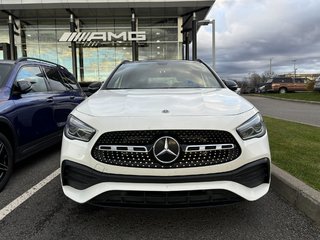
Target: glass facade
pixel 162 39
pixel 98 62
pixel 4 34
pixel 39 38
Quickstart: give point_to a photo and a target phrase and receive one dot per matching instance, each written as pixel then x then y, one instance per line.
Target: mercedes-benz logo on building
pixel 166 149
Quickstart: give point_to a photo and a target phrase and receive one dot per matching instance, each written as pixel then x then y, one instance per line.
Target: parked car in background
pixel 36 97
pixel 85 87
pixel 317 84
pixel 164 134
pixel 90 88
pixel 286 84
pixel 262 89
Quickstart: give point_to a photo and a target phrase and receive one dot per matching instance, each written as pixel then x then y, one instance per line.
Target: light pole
pixel 270 73
pixel 294 68
pixel 207 22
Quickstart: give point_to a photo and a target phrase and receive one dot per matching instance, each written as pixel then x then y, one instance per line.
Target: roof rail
pixel 124 61
pixel 34 59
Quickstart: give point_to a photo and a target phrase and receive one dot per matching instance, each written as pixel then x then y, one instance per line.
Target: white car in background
pixel 165 134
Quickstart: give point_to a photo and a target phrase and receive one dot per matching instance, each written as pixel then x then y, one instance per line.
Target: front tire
pixel 6 161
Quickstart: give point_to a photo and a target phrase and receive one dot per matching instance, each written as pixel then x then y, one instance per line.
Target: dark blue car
pixel 36 98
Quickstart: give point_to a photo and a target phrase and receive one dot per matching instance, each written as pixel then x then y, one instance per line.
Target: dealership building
pixel 91 37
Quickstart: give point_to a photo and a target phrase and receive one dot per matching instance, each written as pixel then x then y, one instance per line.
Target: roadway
pixel 293 111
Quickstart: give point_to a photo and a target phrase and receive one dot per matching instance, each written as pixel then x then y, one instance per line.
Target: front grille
pixel 134 148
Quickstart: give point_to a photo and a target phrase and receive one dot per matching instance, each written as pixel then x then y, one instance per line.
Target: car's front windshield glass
pixel 162 74
pixel 4 72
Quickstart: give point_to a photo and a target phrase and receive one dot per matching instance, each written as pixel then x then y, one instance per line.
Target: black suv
pixel 36 97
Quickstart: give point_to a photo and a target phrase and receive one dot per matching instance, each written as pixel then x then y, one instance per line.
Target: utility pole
pixel 213 22
pixel 294 68
pixel 270 72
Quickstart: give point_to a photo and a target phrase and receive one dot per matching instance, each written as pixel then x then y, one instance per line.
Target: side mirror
pixel 24 86
pixel 232 85
pixel 95 86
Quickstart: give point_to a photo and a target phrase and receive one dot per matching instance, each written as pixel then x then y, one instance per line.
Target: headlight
pixel 76 129
pixel 253 128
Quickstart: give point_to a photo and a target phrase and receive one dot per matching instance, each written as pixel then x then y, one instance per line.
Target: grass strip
pixel 295 148
pixel 305 96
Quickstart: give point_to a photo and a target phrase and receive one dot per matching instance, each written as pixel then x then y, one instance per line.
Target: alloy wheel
pixel 6 160
pixel 3 161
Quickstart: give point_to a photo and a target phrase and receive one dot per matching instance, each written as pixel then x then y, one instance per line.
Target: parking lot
pixel 48 214
pixel 288 110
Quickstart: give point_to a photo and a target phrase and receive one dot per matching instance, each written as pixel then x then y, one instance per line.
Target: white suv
pixel 165 133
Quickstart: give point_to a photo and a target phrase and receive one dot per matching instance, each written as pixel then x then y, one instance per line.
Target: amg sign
pixel 102 36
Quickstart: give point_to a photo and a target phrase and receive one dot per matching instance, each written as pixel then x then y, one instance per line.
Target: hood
pixel 172 102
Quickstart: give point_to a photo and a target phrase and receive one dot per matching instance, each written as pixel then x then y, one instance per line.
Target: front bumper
pixel 83 184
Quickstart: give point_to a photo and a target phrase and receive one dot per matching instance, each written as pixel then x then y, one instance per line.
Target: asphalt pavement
pixel 288 110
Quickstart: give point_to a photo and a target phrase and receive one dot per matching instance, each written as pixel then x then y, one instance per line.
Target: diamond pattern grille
pixel 147 138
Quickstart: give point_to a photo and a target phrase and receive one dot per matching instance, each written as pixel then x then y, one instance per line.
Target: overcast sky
pixel 251 32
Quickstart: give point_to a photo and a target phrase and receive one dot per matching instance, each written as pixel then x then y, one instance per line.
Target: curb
pixel 296 192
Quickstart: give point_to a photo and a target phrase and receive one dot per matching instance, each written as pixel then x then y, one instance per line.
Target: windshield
pixel 163 74
pixel 4 72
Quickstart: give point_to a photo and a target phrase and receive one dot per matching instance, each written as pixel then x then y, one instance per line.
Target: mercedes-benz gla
pixel 165 134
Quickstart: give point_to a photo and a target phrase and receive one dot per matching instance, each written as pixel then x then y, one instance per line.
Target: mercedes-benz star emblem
pixel 165 111
pixel 166 149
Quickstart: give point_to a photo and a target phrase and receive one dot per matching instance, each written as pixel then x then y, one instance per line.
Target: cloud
pixel 249 33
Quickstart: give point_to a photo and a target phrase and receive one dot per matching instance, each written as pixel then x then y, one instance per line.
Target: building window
pixel 40 38
pixel 162 39
pixel 4 34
